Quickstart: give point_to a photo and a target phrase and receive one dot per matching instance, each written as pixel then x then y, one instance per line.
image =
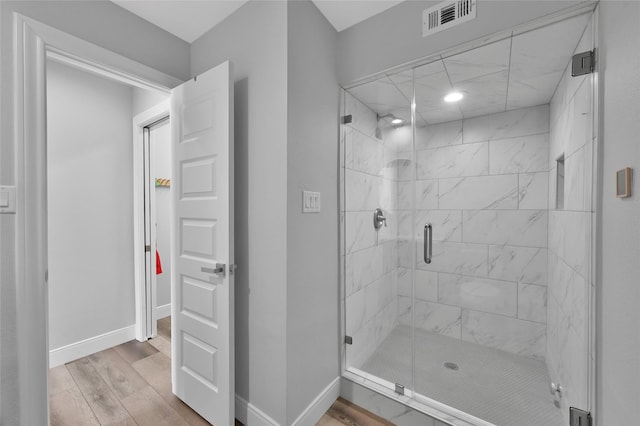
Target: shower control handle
pixel 555 388
pixel 428 248
pixel 379 219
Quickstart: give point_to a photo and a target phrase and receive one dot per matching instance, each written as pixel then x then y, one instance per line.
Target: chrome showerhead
pixel 395 121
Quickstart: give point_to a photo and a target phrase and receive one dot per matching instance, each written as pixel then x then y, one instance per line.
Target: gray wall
pixel 286 112
pixel 312 239
pixel 146 99
pixel 394 37
pixel 99 22
pixel 91 292
pixel 254 39
pixel 112 27
pixel 618 316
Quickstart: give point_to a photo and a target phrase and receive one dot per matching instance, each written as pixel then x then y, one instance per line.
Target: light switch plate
pixel 7 199
pixel 310 202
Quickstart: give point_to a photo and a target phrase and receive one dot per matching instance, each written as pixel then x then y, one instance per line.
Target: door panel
pixel 202 317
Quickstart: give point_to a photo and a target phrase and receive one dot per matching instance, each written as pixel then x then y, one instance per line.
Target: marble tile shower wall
pixel 483 184
pixel 569 231
pixel 370 181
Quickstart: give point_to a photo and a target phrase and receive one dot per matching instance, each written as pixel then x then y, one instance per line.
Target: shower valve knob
pixel 379 219
pixel 555 388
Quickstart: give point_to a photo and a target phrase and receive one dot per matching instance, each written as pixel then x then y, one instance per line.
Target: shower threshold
pixel 499 387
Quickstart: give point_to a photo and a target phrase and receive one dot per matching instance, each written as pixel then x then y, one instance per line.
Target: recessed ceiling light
pixel 397 121
pixel 453 97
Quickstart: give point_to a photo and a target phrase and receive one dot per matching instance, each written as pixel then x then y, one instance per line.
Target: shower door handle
pixel 428 248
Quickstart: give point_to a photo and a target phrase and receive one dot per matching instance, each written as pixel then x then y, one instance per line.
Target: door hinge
pixel 399 389
pixel 348 340
pixel 147 249
pixel 578 417
pixel 582 63
pixel 346 119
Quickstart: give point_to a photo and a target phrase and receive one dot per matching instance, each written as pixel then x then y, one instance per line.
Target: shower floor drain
pixel 451 366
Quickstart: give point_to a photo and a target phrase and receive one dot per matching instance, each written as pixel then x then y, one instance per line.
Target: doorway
pixel 152 218
pixel 203 156
pixel 91 292
pixel 157 146
pixel 91 214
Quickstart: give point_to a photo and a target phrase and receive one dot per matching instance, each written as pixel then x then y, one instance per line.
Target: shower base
pixel 499 387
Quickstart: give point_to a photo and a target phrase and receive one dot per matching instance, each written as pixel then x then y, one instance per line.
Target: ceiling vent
pixel 446 15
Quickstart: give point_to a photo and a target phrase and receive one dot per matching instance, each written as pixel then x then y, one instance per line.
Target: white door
pixel 202 290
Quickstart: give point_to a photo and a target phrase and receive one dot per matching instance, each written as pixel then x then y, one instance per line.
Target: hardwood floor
pixel 130 384
pixel 343 412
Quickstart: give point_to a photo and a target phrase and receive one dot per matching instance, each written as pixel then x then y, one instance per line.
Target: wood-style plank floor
pixel 130 384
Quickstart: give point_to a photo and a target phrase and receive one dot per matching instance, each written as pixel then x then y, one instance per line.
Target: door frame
pixel 34 42
pixel 145 312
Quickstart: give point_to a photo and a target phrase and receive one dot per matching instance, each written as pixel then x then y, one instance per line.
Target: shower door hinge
pixel 579 417
pixel 346 119
pixel 583 63
pixel 399 389
pixel 348 340
pixel 147 249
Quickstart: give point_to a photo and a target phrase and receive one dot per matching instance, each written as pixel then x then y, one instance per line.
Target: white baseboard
pixel 320 405
pixel 163 311
pixel 90 346
pixel 250 415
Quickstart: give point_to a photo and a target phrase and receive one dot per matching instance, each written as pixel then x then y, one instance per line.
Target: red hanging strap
pixel 158 263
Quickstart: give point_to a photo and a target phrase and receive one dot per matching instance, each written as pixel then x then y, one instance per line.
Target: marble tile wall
pixel 483 184
pixel 369 170
pixel 569 236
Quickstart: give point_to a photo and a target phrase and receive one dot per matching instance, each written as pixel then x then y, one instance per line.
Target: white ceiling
pixel 345 13
pixel 517 72
pixel 190 19
pixel 187 19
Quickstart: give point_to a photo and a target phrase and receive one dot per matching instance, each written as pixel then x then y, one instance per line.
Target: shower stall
pixel 466 229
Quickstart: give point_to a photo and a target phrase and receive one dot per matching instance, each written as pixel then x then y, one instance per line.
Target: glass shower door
pixel 486 317
pixel 501 310
pixel 375 167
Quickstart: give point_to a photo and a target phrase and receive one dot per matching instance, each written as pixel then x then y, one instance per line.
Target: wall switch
pixel 7 199
pixel 310 202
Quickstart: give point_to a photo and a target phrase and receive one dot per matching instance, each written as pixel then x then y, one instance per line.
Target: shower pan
pixel 467 285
